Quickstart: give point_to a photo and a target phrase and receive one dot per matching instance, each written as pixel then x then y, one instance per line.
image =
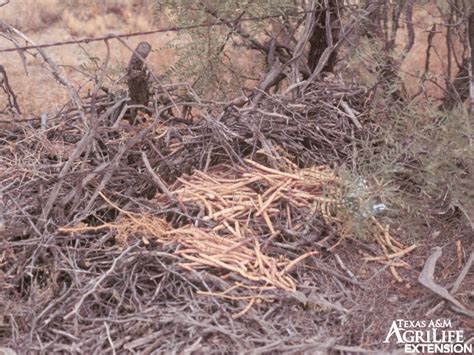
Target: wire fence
pixel 142 33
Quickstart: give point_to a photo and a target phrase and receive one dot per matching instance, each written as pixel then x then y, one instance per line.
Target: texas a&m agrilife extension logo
pixel 428 337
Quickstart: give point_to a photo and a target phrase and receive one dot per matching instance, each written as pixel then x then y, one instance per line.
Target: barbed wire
pixel 143 33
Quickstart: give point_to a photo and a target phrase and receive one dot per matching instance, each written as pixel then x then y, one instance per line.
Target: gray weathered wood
pixel 138 78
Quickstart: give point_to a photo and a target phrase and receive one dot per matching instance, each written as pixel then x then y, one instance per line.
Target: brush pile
pixel 154 227
pixel 55 172
pixel 248 220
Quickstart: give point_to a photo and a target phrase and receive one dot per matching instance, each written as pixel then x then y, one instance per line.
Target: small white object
pixel 379 207
pixel 44 121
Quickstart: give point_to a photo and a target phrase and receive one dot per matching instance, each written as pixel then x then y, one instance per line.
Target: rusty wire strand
pixel 141 33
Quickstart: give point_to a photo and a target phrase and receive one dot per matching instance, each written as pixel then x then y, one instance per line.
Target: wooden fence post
pixel 138 78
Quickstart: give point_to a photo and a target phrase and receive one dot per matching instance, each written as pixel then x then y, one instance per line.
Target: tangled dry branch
pixel 115 221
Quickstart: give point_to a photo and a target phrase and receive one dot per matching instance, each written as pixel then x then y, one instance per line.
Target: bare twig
pixel 159 182
pixel 8 90
pixel 426 278
pixel 98 281
pixel 347 109
pixel 54 70
pixel 456 285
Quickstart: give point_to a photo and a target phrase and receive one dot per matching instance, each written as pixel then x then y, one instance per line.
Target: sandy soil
pixel 47 21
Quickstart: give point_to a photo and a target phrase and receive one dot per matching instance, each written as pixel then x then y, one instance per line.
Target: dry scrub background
pixel 48 21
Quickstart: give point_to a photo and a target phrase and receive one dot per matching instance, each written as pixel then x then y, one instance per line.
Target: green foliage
pixel 421 156
pixel 450 161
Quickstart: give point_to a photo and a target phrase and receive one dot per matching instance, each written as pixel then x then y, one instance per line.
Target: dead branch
pixel 426 278
pixel 54 69
pixel 159 182
pixel 323 36
pixel 410 29
pixel 328 51
pixel 456 285
pixel 4 83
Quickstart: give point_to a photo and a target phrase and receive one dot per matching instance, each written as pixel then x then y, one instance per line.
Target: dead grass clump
pixel 234 231
pixel 33 15
pixel 84 18
pixel 242 222
pixel 90 26
pixel 95 17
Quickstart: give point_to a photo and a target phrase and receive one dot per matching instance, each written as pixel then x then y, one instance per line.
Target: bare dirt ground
pixel 137 297
pixel 49 21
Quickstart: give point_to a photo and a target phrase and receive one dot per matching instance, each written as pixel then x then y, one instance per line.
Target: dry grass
pixel 86 19
pixel 93 17
pixel 33 15
pixel 51 20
